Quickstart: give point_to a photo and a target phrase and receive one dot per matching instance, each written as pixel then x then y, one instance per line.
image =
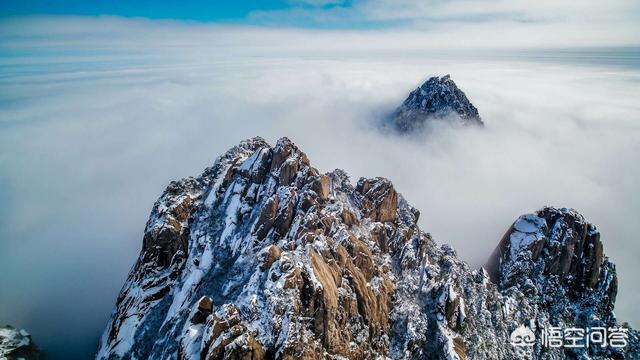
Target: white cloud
pixel 482 23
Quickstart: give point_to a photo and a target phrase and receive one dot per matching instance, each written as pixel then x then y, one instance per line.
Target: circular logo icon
pixel 522 336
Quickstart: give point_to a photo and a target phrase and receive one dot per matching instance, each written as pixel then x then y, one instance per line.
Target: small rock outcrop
pixel 17 344
pixel 439 98
pixel 264 257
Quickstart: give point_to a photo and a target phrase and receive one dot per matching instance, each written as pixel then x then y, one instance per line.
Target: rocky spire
pixel 437 99
pixel 264 257
pixel 554 242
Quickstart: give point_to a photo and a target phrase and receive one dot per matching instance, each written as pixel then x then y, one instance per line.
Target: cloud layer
pixel 476 23
pixel 97 115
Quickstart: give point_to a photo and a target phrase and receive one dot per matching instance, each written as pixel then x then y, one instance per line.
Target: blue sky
pixel 323 14
pixel 572 23
pixel 196 10
pixel 168 9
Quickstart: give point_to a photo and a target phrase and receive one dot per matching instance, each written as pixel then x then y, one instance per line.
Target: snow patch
pixel 526 230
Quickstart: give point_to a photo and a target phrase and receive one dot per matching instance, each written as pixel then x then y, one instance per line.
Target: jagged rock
pixel 16 344
pixel 568 246
pixel 437 99
pixel 273 253
pixel 380 199
pixel 227 338
pixel 277 261
pixel 203 310
pixel 555 243
pixel 322 187
pixel 166 234
pixel 267 217
pixel 458 347
pixel 205 304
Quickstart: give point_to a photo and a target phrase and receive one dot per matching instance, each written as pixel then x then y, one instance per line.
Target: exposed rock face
pixel 561 244
pixel 263 257
pixel 437 99
pixel 17 344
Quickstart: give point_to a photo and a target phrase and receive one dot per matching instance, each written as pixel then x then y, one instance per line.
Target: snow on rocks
pixel 527 230
pixel 17 344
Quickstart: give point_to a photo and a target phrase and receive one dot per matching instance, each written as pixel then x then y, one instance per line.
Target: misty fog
pixel 91 132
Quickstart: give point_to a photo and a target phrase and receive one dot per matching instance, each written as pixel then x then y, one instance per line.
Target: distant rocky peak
pixel 439 98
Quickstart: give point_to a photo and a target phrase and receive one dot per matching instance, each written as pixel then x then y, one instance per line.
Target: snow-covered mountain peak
pixel 264 257
pixel 438 98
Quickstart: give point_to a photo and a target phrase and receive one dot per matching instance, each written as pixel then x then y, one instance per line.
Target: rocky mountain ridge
pixel 264 257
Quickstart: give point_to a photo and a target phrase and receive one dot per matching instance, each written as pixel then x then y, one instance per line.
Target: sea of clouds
pixel 98 115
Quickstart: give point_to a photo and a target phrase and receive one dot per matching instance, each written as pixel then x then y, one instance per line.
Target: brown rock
pixel 281 152
pixel 173 210
pixel 307 200
pixel 327 277
pixel 458 347
pixel 288 171
pixel 205 304
pixel 362 257
pixel 380 199
pixel 267 217
pixel 227 329
pixel 322 186
pixel 293 279
pixel 259 169
pixel 273 253
pixel 348 217
pixel 284 218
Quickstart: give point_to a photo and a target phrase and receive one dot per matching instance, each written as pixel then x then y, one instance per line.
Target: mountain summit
pixel 264 257
pixel 439 98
